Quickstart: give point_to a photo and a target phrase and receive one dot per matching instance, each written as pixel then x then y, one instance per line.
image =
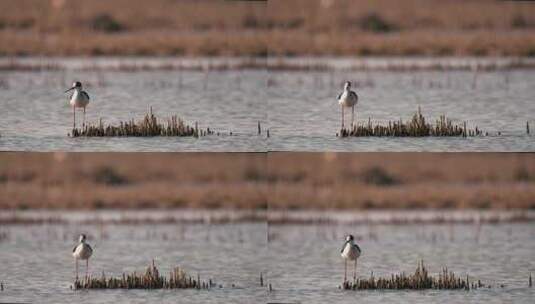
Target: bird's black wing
pixel 339 96
pixel 74 249
pixel 353 94
pixel 84 93
pixel 358 248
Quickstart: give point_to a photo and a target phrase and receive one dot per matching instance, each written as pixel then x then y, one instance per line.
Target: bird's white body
pixel 82 251
pixel 350 251
pixel 348 98
pixel 79 99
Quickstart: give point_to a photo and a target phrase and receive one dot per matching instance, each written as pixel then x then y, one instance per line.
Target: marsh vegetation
pixel 150 279
pixel 418 126
pixel 149 126
pixel 251 28
pixel 420 279
pixel 287 181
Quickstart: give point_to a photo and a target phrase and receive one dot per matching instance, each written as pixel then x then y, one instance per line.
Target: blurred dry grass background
pixel 408 27
pixel 131 27
pixel 402 180
pixel 275 27
pixel 131 180
pixel 274 180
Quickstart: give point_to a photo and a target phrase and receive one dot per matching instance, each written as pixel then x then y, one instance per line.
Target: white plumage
pixel 348 99
pixel 82 251
pixel 79 99
pixel 350 251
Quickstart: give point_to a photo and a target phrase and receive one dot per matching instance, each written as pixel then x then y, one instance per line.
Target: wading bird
pixel 82 251
pixel 350 251
pixel 79 99
pixel 348 99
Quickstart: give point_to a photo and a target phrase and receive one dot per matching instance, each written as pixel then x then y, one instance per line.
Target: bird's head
pixel 75 85
pixel 347 85
pixel 350 238
pixel 82 238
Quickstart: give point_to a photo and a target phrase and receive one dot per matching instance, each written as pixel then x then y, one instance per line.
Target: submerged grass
pixel 420 279
pixel 416 127
pixel 151 279
pixel 149 126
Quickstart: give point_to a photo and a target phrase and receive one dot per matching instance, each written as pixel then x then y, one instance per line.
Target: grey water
pixel 306 267
pixel 298 107
pixel 36 265
pixel 35 114
pixel 304 115
pixel 301 262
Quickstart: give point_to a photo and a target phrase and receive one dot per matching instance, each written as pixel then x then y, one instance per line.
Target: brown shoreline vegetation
pixel 267 28
pixel 420 279
pixel 280 181
pixel 402 181
pixel 150 125
pixel 131 180
pixel 416 127
pixel 151 279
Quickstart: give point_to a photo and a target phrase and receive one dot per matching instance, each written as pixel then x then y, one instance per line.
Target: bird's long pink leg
pixel 345 270
pixel 86 268
pixel 76 268
pixel 83 124
pixel 342 116
pixel 352 116
pixel 74 117
pixel 355 271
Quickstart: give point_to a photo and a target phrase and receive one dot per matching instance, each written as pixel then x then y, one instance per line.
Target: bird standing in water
pixel 348 99
pixel 82 251
pixel 350 251
pixel 79 99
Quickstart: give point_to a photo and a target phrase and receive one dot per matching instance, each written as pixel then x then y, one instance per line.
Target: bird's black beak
pixel 69 90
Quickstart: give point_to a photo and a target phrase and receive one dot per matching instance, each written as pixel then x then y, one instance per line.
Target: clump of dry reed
pixel 149 126
pixel 151 279
pixel 419 280
pixel 416 127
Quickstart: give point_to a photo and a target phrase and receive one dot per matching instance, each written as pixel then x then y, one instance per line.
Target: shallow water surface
pixel 306 266
pixel 304 114
pixel 301 261
pixel 36 265
pixel 36 115
pixel 299 107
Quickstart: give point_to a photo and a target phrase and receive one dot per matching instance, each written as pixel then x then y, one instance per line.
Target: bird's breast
pixel 78 100
pixel 83 252
pixel 347 99
pixel 350 252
